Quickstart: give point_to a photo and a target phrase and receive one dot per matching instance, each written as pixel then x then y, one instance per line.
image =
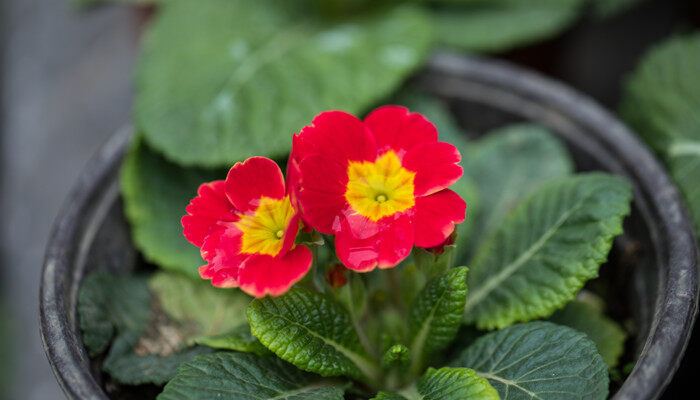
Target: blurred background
pixel 66 86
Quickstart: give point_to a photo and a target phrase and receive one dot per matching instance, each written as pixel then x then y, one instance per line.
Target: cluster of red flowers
pixel 379 186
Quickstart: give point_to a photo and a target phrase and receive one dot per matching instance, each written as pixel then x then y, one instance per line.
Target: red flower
pixel 246 227
pixel 379 185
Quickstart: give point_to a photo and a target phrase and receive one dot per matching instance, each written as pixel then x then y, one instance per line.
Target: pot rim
pixel 677 302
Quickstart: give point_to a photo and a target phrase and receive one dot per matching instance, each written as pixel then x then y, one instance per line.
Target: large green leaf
pixel 538 360
pixel 611 8
pixel 447 384
pixel 222 80
pixel 500 25
pixel 155 194
pixel 589 319
pixel 541 255
pixel 436 315
pixel 506 166
pixel 240 339
pixel 204 309
pixel 246 377
pixel 312 332
pixel 661 102
pixel 109 305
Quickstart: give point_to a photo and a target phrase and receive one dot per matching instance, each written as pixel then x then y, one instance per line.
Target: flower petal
pixel 435 165
pixel 263 274
pixel 339 136
pixel 290 235
pixel 436 216
pixel 221 249
pixel 322 198
pixel 204 211
pixel 362 244
pixel 252 179
pixel 396 128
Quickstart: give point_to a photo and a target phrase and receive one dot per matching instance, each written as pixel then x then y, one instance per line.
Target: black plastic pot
pixel 653 268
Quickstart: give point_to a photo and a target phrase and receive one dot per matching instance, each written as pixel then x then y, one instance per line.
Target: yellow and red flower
pixel 378 185
pixel 245 227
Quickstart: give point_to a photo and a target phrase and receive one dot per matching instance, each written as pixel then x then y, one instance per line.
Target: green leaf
pixel 501 25
pixel 589 319
pixel 436 315
pixel 661 101
pixel 353 295
pixel 206 310
pixel 239 339
pixel 127 367
pixel 539 360
pixel 109 305
pixel 447 384
pixel 432 264
pixel 312 332
pixel 541 255
pixel 497 165
pixel 155 194
pixel 397 354
pixel 223 80
pixel 244 376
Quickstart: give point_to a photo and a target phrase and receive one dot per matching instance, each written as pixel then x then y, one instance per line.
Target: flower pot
pixel 653 266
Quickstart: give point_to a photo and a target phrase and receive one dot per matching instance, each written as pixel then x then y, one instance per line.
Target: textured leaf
pixel 127 367
pixel 155 194
pixel 312 332
pixel 244 376
pixel 205 309
pixel 661 102
pixel 396 355
pixel 109 305
pixel 539 360
pixel 447 384
pixel 500 25
pixel 239 339
pixel 222 80
pixel 436 315
pixel 589 319
pixel 506 166
pixel 541 255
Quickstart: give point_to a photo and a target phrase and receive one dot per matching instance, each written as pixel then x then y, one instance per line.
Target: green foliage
pixel 589 319
pixel 111 305
pixel 222 80
pixel 431 264
pixel 436 314
pixel 611 8
pixel 661 101
pixel 539 360
pixel 506 166
pixel 312 332
pixel 244 376
pixel 544 252
pixel 155 194
pixel 240 339
pixel 6 350
pixel 127 367
pixel 195 304
pixel 501 25
pixel 396 355
pixel 447 384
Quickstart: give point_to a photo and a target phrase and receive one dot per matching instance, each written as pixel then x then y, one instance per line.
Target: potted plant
pixel 391 271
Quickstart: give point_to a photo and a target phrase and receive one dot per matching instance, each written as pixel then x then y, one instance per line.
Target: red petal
pixel 436 216
pixel 263 274
pixel 362 244
pixel 290 235
pixel 338 136
pixel 221 249
pixel 322 198
pixel 435 165
pixel 252 179
pixel 209 207
pixel 397 128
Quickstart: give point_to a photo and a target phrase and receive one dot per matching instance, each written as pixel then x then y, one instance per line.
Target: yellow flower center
pixel 380 188
pixel 263 230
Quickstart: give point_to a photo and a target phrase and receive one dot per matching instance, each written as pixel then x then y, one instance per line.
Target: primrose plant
pixel 347 279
